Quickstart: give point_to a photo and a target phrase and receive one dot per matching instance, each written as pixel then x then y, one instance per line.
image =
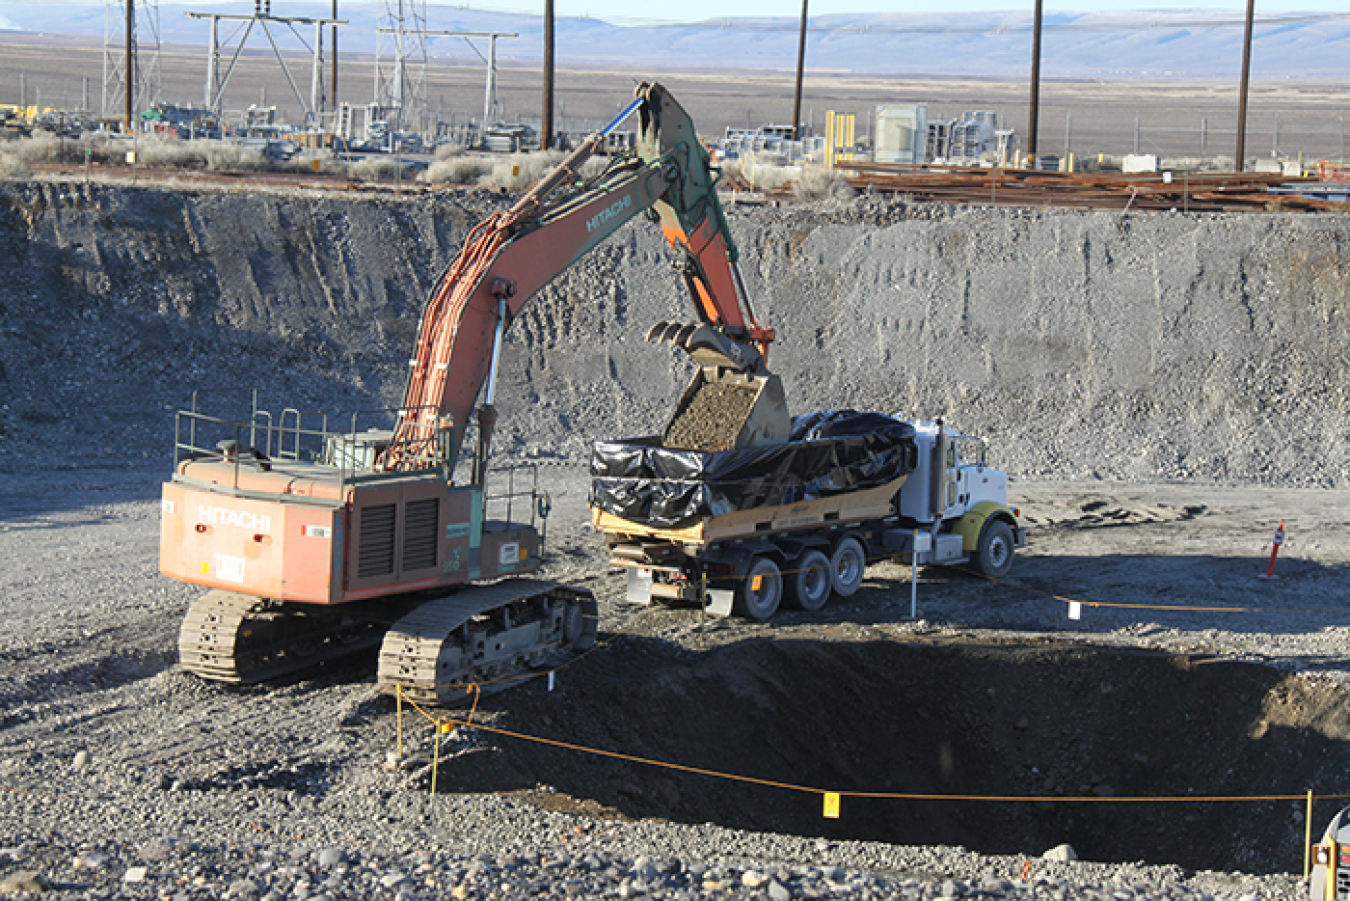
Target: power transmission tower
pixel 401 62
pixel 131 56
pixel 216 82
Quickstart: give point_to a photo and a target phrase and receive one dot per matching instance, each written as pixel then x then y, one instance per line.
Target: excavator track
pixel 232 637
pixel 484 636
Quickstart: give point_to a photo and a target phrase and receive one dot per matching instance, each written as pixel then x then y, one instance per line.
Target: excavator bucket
pixel 732 401
pixel 725 410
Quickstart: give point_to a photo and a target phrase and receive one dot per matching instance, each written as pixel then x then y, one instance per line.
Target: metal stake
pixel 1307 840
pixel 436 757
pixel 914 579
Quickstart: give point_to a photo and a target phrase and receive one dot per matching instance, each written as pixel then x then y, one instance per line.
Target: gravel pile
pixel 1096 345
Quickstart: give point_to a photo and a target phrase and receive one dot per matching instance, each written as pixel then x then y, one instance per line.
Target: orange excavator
pixel 315 542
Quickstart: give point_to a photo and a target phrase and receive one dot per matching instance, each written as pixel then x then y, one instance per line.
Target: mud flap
pixel 720 601
pixel 639 587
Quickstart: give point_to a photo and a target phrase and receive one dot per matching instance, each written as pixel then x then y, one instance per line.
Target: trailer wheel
pixel 995 554
pixel 846 567
pixel 808 587
pixel 761 589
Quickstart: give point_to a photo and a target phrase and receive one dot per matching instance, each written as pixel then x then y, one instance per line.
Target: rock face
pixel 1135 346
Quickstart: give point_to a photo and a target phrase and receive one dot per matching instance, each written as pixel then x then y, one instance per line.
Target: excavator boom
pixel 511 255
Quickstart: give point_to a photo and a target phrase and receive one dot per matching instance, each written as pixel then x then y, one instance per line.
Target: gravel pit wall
pixel 949 718
pixel 1083 344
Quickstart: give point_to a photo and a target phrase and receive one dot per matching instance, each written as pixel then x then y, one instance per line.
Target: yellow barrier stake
pixel 398 701
pixel 436 758
pixel 1307 840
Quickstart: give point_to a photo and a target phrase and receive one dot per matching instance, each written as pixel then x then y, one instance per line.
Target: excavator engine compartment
pixel 311 552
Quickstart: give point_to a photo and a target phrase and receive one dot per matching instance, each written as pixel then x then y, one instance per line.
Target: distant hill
pixel 1130 44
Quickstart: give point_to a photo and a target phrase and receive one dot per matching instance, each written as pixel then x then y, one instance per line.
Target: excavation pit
pixel 1040 720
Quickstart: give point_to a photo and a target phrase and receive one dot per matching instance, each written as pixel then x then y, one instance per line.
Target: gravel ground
pixel 1163 389
pixel 114 760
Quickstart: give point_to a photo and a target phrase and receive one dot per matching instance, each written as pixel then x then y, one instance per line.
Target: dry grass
pixel 222 156
pixel 759 174
pixel 42 147
pixel 456 170
pixel 377 168
pixel 820 183
pixel 328 163
pixel 155 152
pixel 12 167
pixel 519 171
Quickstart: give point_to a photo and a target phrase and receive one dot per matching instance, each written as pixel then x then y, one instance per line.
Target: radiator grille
pixel 375 557
pixel 421 520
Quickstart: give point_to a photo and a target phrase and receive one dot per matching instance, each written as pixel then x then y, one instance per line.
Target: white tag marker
pixel 550 681
pixel 1075 610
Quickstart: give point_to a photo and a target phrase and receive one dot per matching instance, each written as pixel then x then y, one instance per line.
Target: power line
pixel 751 24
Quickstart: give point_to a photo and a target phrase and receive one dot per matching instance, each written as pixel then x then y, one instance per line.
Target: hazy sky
pixel 638 12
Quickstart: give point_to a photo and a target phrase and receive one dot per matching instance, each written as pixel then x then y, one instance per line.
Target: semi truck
pixel 750 528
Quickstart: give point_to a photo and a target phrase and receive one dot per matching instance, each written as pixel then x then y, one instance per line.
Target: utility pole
pixel 801 64
pixel 131 65
pixel 333 89
pixel 1034 114
pixel 1242 89
pixel 546 126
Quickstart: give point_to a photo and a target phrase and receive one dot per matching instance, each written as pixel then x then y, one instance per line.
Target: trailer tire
pixel 761 590
pixel 810 585
pixel 994 557
pixel 847 564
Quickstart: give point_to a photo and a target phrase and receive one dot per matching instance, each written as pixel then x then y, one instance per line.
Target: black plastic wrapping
pixel 832 452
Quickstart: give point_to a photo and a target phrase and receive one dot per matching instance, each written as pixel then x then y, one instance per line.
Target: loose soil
pixel 713 418
pixel 933 716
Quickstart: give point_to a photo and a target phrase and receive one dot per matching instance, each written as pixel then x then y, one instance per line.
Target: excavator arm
pixel 692 220
pixel 511 255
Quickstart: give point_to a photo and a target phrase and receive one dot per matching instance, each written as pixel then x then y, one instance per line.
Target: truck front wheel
pixel 808 586
pixel 847 564
pixel 995 556
pixel 761 589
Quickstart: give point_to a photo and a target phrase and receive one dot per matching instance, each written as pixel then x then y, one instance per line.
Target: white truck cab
pixel 953 511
